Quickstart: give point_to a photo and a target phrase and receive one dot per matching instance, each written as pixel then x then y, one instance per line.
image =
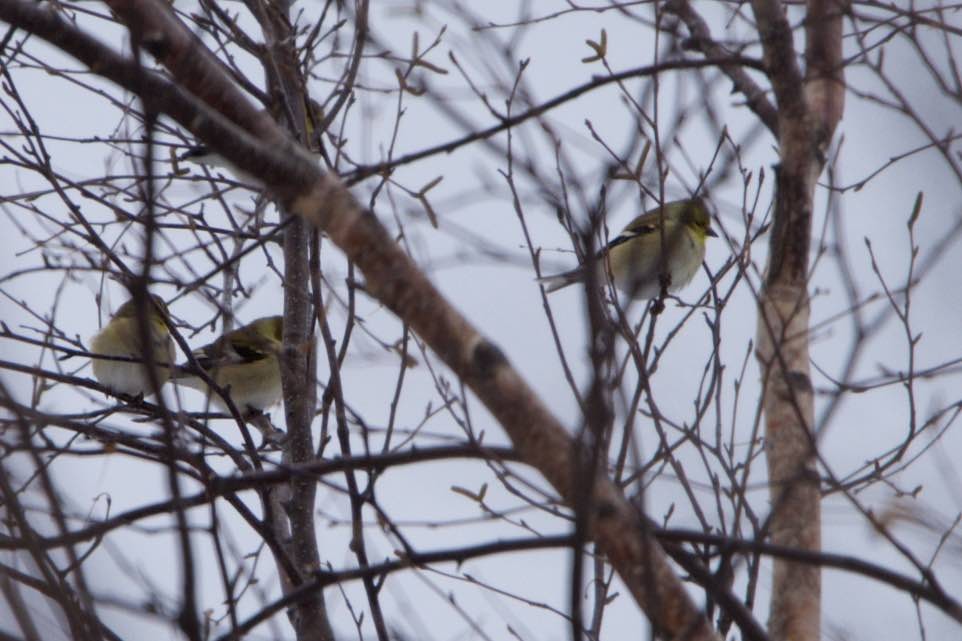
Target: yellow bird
pixel 244 362
pixel 634 257
pixel 121 337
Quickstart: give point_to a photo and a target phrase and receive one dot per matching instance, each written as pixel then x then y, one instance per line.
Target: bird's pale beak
pixel 711 232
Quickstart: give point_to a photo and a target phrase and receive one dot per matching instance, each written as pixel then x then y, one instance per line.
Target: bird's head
pixel 696 217
pixel 269 328
pixel 158 308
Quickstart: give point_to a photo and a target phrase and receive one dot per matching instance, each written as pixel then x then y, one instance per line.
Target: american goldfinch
pixel 121 337
pixel 242 362
pixel 634 257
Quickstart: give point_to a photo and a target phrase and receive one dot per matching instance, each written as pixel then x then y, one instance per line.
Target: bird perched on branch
pixel 635 260
pixel 244 363
pixel 121 337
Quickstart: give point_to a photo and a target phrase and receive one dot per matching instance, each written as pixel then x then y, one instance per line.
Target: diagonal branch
pixel 702 41
pixel 391 277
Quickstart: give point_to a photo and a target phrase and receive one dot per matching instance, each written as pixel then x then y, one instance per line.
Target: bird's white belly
pixel 124 378
pixel 251 385
pixel 127 377
pixel 643 281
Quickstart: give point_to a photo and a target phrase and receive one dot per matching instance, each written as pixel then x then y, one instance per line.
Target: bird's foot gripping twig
pixel 658 304
pixel 273 437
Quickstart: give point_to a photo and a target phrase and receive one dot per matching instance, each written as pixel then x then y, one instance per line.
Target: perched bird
pixel 121 337
pixel 243 362
pixel 634 257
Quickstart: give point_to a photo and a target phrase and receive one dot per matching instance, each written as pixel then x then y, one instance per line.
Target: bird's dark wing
pixel 627 234
pixel 249 354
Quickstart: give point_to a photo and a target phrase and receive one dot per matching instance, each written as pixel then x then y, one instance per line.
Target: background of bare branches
pixel 486 143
